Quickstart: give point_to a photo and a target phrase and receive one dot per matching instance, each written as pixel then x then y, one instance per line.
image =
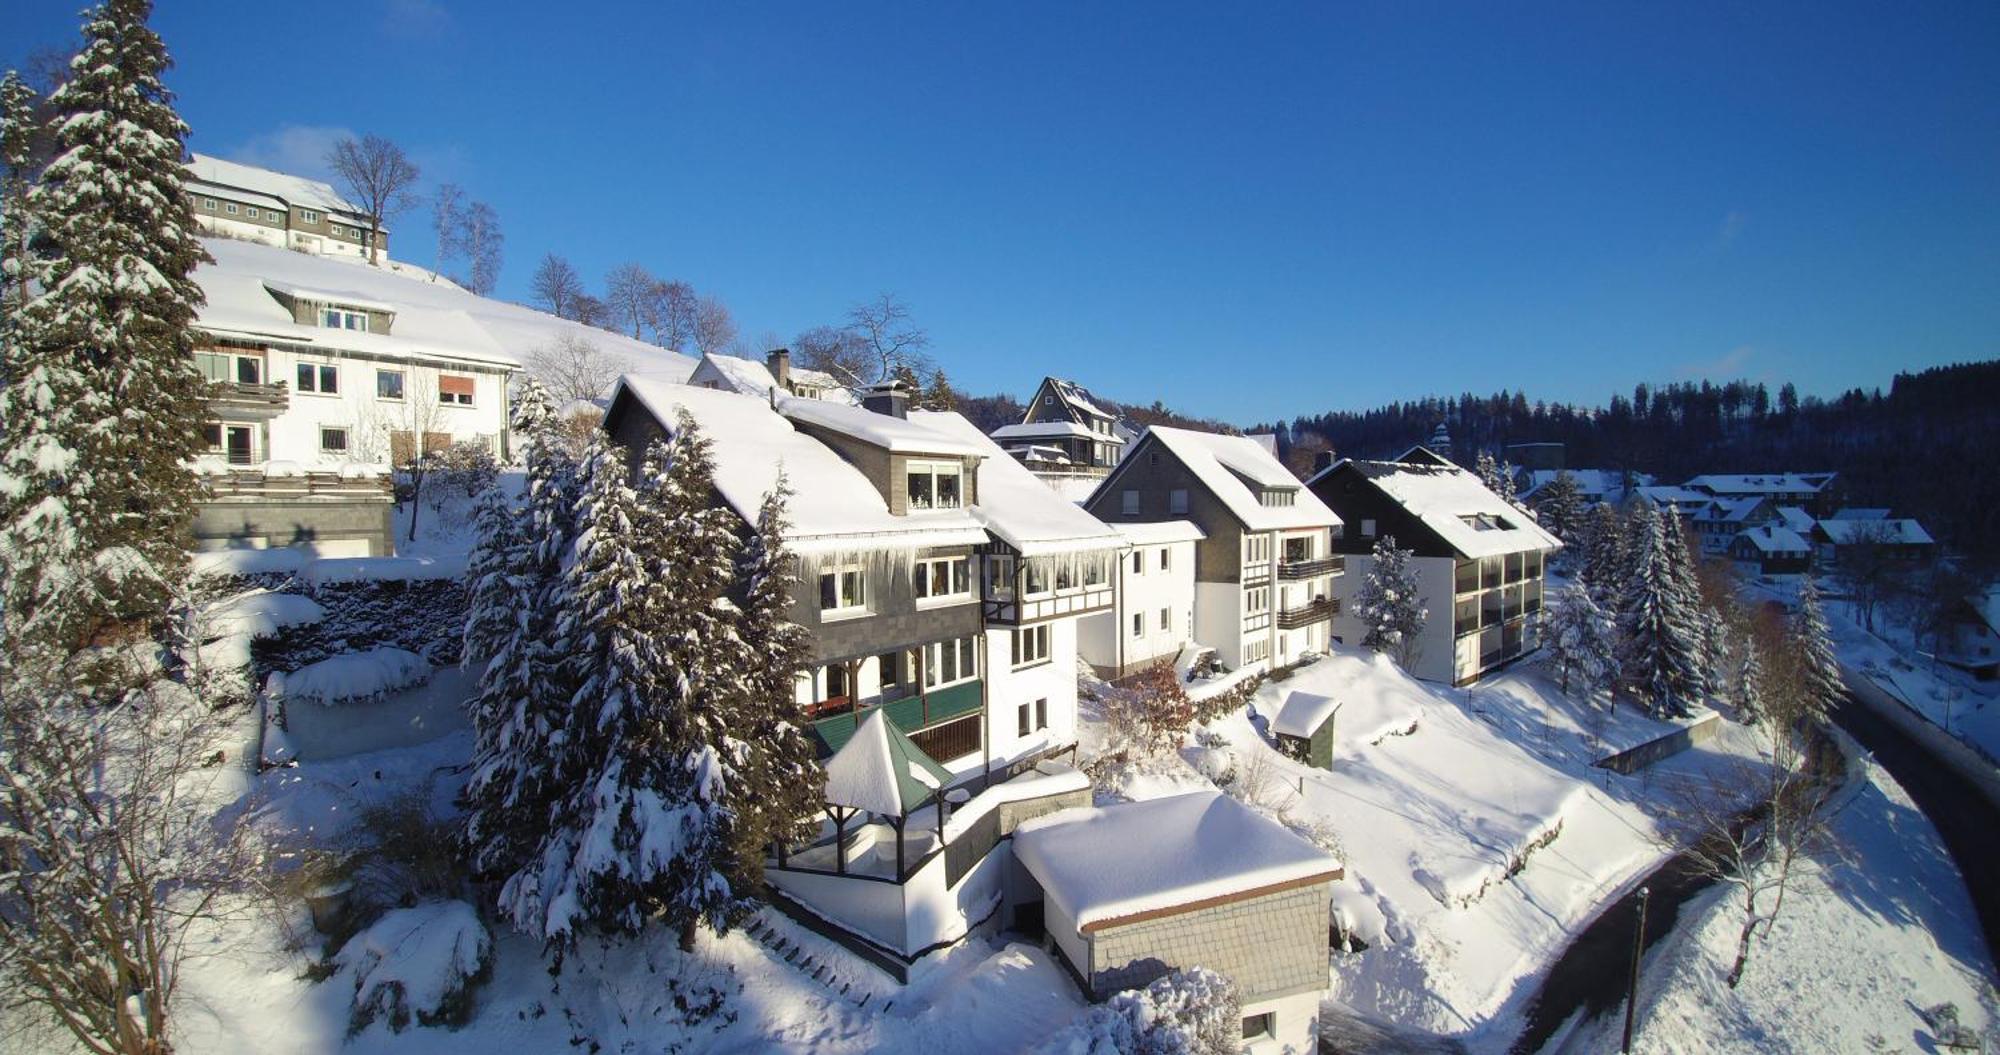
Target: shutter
pixel 451 385
pixel 402 446
pixel 436 441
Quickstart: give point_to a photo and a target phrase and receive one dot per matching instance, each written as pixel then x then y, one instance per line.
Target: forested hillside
pixel 1924 447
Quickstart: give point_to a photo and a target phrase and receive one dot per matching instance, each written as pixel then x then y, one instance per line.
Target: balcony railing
pixel 1317 612
pixel 1311 569
pixel 256 485
pixel 241 401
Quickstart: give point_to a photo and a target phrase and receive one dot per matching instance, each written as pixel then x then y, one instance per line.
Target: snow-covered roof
pixel 1760 483
pixel 348 298
pixel 1303 713
pixel 1076 396
pixel 1104 864
pixel 1017 506
pixel 1896 531
pixel 879 770
pixel 434 318
pixel 753 378
pixel 1668 494
pixel 1452 502
pixel 1035 430
pixel 834 508
pixel 1795 518
pixel 1593 484
pixel 1225 463
pixel 891 433
pixel 1775 538
pixel 1860 513
pixel 1731 510
pixel 294 190
pixel 1160 532
pixel 1987 604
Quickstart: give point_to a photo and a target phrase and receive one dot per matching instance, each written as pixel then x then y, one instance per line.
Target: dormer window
pixel 343 319
pixel 1485 522
pixel 1277 498
pixel 936 485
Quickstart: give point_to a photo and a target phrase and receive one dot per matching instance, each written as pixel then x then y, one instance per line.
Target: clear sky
pixel 1248 211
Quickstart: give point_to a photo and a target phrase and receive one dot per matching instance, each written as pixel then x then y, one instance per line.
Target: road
pixel 1963 817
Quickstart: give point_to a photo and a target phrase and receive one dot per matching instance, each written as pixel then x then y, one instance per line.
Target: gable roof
pixel 1731 510
pixel 899 435
pixel 1228 466
pixel 1761 483
pixel 1896 531
pixel 1016 506
pixel 752 377
pixel 1860 513
pixel 834 508
pixel 1303 713
pixel 879 770
pixel 1463 512
pixel 1795 518
pixel 1773 537
pixel 1076 396
pixel 1595 484
pixel 1159 532
pixel 291 190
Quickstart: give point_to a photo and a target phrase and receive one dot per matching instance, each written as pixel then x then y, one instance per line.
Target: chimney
pixel 780 362
pixel 891 397
pixel 1323 460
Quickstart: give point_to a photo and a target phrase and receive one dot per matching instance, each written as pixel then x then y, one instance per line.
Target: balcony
pixel 1312 569
pixel 1317 612
pixel 244 401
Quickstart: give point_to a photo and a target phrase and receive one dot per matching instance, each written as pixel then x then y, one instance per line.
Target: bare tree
pixel 884 328
pixel 111 852
pixel 556 287
pixel 447 218
pixel 673 314
pixel 590 311
pixel 573 368
pixel 628 295
pixel 481 240
pixel 713 326
pixel 407 436
pixel 1869 567
pixel 379 177
pixel 1756 825
pixel 835 351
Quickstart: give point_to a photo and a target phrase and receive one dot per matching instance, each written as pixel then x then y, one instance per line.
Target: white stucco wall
pixel 1107 641
pixel 1218 619
pixel 1437 659
pixel 1008 688
pixel 294 436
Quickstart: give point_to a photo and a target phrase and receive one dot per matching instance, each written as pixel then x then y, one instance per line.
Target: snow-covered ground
pixel 1864 946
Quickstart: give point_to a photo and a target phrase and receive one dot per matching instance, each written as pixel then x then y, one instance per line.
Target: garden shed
pixel 1303 728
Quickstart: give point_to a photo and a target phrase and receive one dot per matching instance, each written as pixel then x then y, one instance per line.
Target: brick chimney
pixel 780 362
pixel 891 397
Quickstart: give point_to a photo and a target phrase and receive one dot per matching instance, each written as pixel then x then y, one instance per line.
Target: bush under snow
pixel 1190 1012
pixel 351 677
pixel 422 961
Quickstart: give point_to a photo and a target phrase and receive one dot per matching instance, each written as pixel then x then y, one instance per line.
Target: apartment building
pixel 234 200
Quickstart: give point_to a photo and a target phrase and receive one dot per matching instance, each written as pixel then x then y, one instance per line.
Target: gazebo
pixel 879 771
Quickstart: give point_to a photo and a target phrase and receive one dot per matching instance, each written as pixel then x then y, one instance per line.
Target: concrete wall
pixel 1663 747
pixel 1271 946
pixel 324 527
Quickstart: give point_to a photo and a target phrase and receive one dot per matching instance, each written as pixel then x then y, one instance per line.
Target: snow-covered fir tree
pixel 780 764
pixel 17 147
pixel 1561 503
pixel 1662 661
pixel 1488 470
pixel 532 408
pixel 529 677
pixel 1820 684
pixel 1601 554
pixel 102 413
pixel 938 394
pixel 1687 583
pixel 1389 605
pixel 1749 689
pixel 1583 642
pixel 1508 489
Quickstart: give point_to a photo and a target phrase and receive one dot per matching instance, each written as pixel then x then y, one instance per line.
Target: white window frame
pixel 453 399
pixel 1166 558
pixel 932 471
pixel 1166 620
pixel 337 318
pixel 308 216
pixel 402 385
pixel 346 439
pixel 1138 624
pixel 208 203
pixel 964 661
pixel 1257 600
pixel 1030 645
pixel 845 604
pixel 230 207
pixel 957 571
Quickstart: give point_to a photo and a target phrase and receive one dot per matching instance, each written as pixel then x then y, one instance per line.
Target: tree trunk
pixel 1743 938
pixel 687 936
pixel 416 501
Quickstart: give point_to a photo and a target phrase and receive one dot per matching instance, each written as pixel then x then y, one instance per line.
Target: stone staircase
pixel 761 931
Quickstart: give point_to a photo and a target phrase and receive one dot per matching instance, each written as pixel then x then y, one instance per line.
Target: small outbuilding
pixel 1303 728
pixel 1133 891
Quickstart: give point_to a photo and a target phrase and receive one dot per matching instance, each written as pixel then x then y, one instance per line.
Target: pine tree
pixel 1662 643
pixel 1388 603
pixel 1603 557
pixel 780 767
pixel 1583 642
pixel 103 411
pixel 1819 668
pixel 533 408
pixel 1562 507
pixel 529 677
pixel 1488 471
pixel 938 395
pixel 17 153
pixel 1750 684
pixel 1505 486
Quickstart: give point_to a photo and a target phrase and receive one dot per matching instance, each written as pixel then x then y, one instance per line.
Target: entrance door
pixel 237 441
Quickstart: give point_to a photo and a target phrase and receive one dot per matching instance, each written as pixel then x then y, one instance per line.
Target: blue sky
pixel 1247 213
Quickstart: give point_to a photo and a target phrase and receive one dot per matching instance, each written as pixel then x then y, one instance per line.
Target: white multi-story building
pixel 1265 566
pixel 1152 611
pixel 244 202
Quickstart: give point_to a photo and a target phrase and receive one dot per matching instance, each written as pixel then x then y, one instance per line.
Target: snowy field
pixel 1864 947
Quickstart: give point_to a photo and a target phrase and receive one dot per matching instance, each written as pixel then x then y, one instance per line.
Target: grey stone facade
pixel 1153 471
pixel 1270 946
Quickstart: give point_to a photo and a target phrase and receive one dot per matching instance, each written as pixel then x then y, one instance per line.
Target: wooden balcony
pixel 240 401
pixel 1312 569
pixel 1317 612
pixel 253 485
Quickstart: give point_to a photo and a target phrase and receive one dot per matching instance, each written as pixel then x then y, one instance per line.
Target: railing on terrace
pixel 1308 569
pixel 252 484
pixel 238 400
pixel 1317 612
